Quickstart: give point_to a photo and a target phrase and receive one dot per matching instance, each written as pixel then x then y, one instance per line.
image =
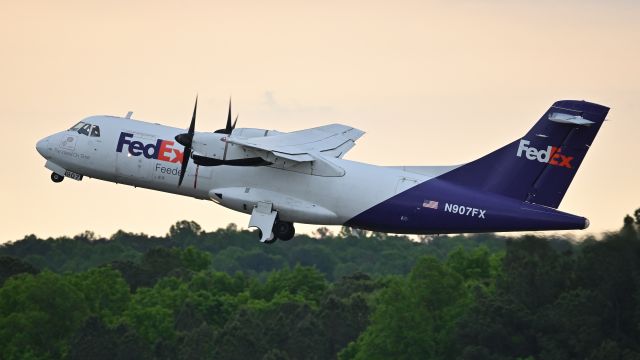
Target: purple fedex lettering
pixel 147 151
pixel 162 150
pixel 123 140
pixel 135 148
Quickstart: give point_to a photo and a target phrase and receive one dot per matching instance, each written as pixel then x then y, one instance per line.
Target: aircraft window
pixel 84 130
pixel 95 131
pixel 77 126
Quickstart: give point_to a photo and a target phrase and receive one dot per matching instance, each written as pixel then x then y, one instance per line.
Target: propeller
pixel 228 127
pixel 185 139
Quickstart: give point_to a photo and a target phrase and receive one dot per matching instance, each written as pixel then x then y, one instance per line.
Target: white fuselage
pixel 297 195
pixel 282 178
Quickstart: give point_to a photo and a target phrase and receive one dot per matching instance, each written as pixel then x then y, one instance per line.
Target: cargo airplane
pixel 301 177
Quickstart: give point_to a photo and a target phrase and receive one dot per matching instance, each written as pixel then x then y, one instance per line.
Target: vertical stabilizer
pixel 539 167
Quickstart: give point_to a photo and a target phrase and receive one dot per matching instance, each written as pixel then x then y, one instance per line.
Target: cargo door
pixel 132 166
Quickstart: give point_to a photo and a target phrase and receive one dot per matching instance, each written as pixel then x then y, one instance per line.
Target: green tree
pixel 414 318
pixel 10 266
pixel 94 340
pixel 304 281
pixel 184 229
pixel 471 265
pixel 314 255
pixel 534 273
pixel 610 270
pixel 343 320
pixel 197 344
pixel 38 314
pixel 287 328
pixel 194 259
pixel 572 326
pixel 105 292
pixel 161 261
pixel 153 323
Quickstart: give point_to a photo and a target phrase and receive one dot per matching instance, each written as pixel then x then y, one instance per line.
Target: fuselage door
pixel 408 206
pixel 95 147
pixel 405 183
pixel 131 165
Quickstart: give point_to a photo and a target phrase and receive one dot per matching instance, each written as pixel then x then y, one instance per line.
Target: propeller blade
pixel 185 161
pixel 235 122
pixel 228 127
pixel 186 140
pixel 193 118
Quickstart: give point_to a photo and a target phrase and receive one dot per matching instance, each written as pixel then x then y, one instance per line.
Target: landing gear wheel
pixel 270 240
pixel 284 230
pixel 56 178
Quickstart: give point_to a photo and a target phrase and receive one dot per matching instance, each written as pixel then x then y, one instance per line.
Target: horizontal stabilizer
pixel 569 119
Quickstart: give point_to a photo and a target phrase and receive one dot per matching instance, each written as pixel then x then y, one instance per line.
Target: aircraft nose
pixel 43 147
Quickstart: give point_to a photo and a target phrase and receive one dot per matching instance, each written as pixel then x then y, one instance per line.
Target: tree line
pixel 354 295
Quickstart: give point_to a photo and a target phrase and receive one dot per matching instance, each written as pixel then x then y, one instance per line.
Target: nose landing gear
pixel 56 178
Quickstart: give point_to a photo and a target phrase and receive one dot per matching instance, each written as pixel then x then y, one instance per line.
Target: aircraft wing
pixel 304 145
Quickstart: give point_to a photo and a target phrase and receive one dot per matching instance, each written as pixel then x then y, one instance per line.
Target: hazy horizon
pixel 431 83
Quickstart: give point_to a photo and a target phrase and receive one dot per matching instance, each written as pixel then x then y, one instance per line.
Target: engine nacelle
pixel 209 145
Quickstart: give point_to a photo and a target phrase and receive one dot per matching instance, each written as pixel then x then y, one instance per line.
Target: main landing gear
pixel 266 220
pixel 282 230
pixel 56 178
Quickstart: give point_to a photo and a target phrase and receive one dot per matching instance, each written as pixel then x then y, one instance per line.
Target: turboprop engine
pixel 213 149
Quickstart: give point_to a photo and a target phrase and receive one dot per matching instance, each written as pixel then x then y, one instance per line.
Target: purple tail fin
pixel 539 167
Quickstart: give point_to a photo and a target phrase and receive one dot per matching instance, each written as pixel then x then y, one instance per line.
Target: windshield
pixel 84 128
pixel 77 126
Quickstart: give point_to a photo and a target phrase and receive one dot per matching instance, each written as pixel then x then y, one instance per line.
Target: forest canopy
pixel 194 294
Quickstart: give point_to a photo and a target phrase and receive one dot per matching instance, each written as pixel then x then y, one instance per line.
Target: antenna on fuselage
pixel 128 116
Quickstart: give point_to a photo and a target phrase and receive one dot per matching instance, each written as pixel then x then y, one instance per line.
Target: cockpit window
pixel 84 130
pixel 87 129
pixel 77 126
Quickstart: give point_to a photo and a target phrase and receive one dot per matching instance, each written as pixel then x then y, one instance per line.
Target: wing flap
pixel 320 139
pixel 305 150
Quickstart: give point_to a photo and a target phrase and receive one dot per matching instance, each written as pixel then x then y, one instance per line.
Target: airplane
pixel 281 178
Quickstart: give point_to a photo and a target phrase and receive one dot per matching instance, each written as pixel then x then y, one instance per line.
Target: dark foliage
pixel 10 266
pixel 198 295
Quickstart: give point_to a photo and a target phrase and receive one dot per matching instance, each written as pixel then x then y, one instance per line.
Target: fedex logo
pixel 550 155
pixel 162 150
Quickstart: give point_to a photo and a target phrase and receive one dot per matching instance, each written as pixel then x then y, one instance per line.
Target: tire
pixel 269 241
pixel 56 178
pixel 284 230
